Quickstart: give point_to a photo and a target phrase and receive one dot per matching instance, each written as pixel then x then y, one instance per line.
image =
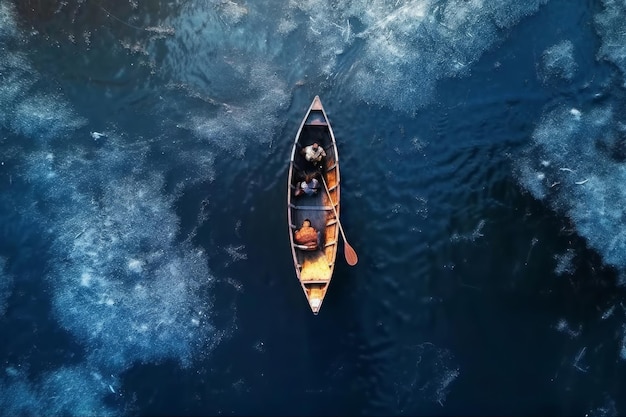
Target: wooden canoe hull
pixel 314 269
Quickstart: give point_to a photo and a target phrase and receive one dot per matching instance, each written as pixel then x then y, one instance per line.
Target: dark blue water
pixel 144 259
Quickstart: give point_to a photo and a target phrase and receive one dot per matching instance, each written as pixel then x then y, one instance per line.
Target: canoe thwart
pixel 317 123
pixel 293 206
pixel 315 281
pixel 304 247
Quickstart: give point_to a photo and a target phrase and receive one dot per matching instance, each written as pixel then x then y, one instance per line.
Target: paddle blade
pixel 350 254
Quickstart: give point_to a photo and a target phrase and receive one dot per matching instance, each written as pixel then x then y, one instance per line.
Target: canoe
pixel 314 268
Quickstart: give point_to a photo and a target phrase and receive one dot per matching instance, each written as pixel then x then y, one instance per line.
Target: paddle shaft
pixel 349 252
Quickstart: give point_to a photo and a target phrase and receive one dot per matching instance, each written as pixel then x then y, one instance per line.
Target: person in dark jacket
pixel 309 186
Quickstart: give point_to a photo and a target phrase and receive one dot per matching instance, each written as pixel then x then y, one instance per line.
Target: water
pixel 144 261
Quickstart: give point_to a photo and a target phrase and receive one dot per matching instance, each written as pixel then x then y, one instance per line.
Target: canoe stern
pixel 315 295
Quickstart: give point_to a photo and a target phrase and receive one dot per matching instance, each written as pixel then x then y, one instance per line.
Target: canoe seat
pixel 293 206
pixel 330 222
pixel 305 247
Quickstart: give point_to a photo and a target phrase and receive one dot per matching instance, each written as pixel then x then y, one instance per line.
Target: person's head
pixel 315 145
pixel 306 223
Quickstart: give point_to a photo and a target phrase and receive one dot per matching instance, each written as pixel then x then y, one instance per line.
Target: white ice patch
pixel 17 77
pixel 610 27
pixel 588 157
pixel 135 265
pixel 236 253
pixel 226 43
pixel 122 282
pixel 232 12
pixel 128 241
pixel 409 46
pixel 471 236
pixel 531 180
pixel 404 47
pixel 564 327
pixel 558 62
pixel 576 113
pixel 73 392
pixel 38 117
pixel 8 27
pixel 44 117
pixel 235 126
pixel 564 263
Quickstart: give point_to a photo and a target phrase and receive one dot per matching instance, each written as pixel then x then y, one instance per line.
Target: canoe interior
pixel 315 268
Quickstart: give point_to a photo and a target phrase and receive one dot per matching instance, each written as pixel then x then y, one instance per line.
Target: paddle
pixel 348 251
